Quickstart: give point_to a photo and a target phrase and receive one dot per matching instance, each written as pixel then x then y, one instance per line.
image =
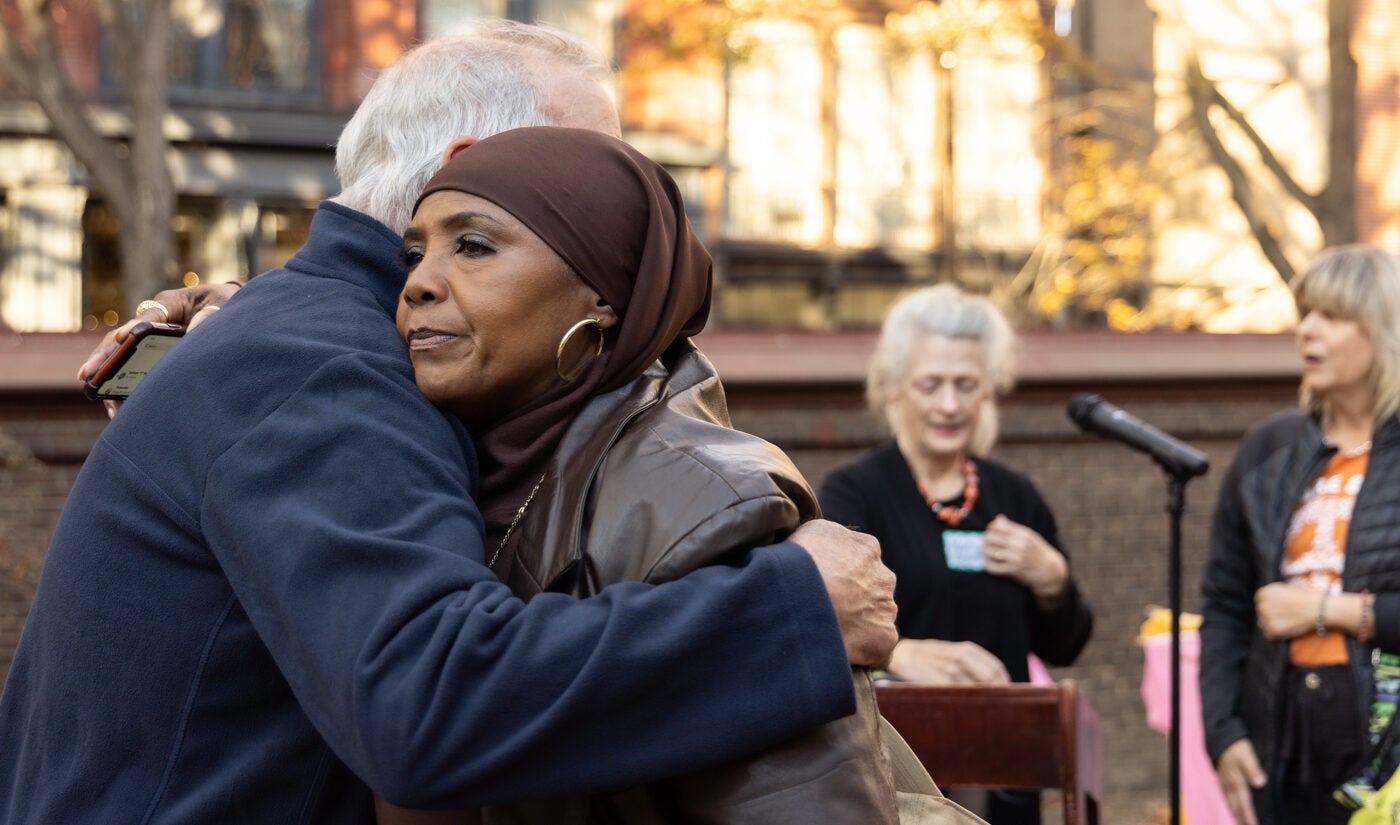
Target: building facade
pixel 815 142
pixel 832 153
pixel 258 92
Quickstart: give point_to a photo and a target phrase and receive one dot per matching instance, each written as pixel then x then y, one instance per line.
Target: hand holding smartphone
pixel 125 368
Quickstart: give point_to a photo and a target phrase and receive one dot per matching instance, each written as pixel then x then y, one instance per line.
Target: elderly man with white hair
pixel 267 596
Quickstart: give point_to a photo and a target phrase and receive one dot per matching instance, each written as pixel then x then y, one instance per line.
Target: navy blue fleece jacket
pixel 266 595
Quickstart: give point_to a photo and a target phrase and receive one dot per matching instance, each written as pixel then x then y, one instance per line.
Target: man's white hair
pixel 485 81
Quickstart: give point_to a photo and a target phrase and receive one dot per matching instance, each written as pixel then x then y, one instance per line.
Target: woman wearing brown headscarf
pixel 554 284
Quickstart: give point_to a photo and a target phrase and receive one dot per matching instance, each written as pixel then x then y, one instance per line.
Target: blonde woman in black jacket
pixel 1303 580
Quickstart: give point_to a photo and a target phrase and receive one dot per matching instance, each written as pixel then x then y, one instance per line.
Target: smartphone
pixel 125 368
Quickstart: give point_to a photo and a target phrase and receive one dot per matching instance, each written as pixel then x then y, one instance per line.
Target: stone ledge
pixel 766 357
pixel 48 361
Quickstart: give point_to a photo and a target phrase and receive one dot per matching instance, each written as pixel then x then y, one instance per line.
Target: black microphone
pixel 1093 414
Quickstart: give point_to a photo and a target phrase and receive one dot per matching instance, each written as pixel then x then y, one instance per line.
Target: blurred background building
pixel 1130 163
pixel 1099 167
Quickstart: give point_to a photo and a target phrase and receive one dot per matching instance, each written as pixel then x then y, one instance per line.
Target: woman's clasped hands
pixel 1017 552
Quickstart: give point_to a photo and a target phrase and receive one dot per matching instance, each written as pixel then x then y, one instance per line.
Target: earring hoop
pixel 564 343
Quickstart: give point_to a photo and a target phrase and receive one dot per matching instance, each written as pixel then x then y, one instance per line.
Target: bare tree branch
pixel 1336 208
pixel 1240 188
pixel 1270 160
pixel 155 198
pixel 130 171
pixel 44 78
pixel 117 16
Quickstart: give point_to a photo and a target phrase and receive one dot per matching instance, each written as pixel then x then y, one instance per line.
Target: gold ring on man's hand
pixel 145 305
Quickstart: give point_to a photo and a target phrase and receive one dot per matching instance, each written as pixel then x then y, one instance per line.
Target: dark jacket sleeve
pixel 1227 605
pixel 1058 635
pixel 837 772
pixel 437 686
pixel 1386 619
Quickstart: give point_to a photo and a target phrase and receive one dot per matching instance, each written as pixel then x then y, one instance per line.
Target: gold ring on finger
pixel 147 305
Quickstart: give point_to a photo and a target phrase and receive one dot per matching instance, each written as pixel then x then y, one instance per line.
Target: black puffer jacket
pixel 1241 671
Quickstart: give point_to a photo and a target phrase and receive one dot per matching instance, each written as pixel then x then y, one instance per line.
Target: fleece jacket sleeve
pixel 355 552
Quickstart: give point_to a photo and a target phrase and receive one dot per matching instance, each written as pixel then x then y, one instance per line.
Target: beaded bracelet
pixel 1363 631
pixel 1321 623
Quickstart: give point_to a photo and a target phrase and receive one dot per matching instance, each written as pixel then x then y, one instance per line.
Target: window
pixel 592 20
pixel 831 138
pixel 998 171
pixel 215 241
pixel 441 17
pixel 885 145
pixel 260 48
pixel 776 140
pixel 834 141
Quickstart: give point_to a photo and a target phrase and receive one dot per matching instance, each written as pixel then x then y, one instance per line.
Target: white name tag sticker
pixel 962 549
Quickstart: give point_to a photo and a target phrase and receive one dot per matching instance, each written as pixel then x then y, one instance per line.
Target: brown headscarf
pixel 618 220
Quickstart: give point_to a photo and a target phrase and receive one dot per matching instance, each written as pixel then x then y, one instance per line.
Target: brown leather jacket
pixel 650 483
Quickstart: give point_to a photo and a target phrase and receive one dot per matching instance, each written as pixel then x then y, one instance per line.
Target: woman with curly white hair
pixel 981 578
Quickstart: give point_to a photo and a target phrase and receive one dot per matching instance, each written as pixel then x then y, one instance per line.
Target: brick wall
pixel 1109 501
pixel 43 440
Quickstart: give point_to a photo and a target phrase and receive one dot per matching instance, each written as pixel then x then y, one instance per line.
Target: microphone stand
pixel 1181 463
pixel 1176 505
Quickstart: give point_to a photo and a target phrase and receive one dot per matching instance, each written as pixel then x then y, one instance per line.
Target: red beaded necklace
pixel 950 515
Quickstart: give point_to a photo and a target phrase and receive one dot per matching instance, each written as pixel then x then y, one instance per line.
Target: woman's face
pixel 485 306
pixel 1337 356
pixel 937 405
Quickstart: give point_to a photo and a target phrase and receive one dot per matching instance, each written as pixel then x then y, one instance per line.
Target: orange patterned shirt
pixel 1316 545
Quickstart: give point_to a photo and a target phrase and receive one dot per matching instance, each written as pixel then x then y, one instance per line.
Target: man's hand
pixel 185 306
pixel 188 306
pixel 860 586
pixel 1240 774
pixel 936 662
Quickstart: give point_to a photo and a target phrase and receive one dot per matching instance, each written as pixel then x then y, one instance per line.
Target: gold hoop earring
pixel 597 324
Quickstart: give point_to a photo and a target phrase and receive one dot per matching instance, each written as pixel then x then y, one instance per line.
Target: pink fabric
pixel 1039 675
pixel 1202 801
